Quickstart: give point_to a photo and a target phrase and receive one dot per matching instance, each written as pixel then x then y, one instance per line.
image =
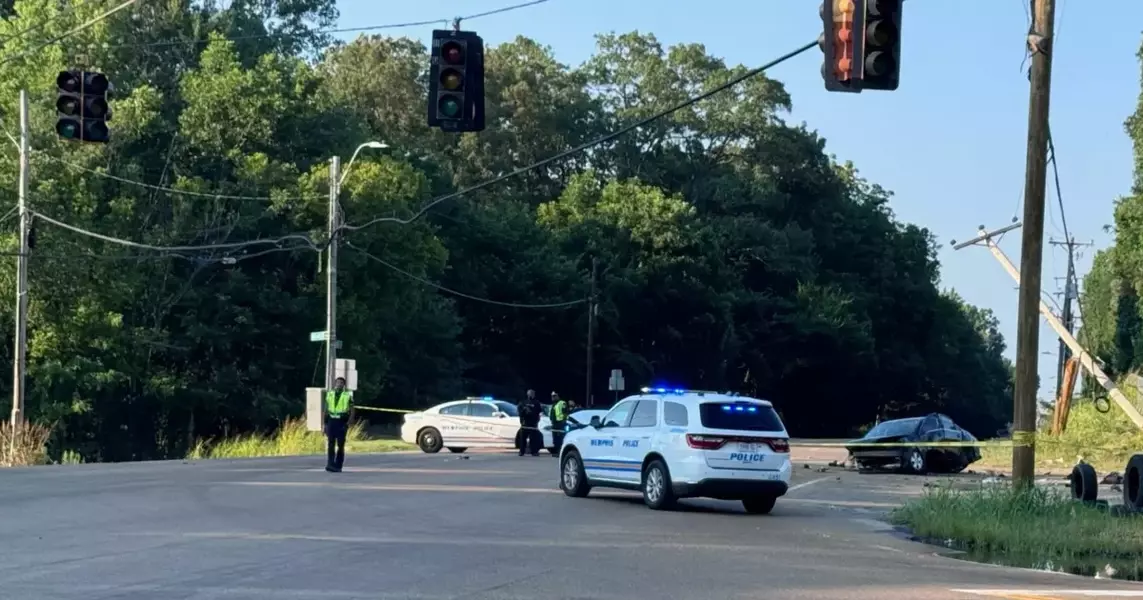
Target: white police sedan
pixel 475 422
pixel 673 444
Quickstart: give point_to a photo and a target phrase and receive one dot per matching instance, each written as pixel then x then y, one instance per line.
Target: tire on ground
pixel 1085 486
pixel 429 440
pixel 656 483
pixel 759 505
pixel 1132 491
pixel 572 464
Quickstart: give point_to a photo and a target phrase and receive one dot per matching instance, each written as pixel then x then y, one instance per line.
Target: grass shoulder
pixel 1033 524
pixel 291 439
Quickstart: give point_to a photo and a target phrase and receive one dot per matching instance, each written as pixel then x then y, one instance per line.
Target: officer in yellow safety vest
pixel 559 416
pixel 338 405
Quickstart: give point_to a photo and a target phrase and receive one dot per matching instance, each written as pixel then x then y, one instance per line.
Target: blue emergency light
pixel 663 390
pixel 488 398
pixel 739 408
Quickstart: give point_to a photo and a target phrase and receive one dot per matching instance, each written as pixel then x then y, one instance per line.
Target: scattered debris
pixel 1112 478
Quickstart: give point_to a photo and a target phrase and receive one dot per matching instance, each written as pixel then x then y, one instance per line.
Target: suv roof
pixel 698 396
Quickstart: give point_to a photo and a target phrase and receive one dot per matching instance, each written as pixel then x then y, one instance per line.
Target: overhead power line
pixel 168 190
pixel 442 288
pixel 59 38
pixel 305 241
pixel 361 29
pixel 588 145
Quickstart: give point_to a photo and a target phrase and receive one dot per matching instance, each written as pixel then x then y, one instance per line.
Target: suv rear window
pixel 742 416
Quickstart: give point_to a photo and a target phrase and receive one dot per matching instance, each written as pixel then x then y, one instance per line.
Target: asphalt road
pixel 490 526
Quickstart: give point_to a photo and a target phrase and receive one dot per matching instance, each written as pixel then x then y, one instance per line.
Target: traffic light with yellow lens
pixel 456 81
pixel 861 41
pixel 837 42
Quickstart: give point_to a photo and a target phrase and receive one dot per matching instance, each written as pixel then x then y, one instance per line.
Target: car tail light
pixel 705 442
pixel 780 445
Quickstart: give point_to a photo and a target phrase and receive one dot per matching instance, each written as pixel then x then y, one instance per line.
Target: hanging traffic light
pixel 880 44
pixel 82 106
pixel 456 81
pixel 837 42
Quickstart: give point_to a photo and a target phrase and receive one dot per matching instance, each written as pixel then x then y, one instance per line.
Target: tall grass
pixel 1104 440
pixel 1031 522
pixel 291 439
pixel 30 447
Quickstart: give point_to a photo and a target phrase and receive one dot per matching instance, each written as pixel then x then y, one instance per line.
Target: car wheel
pixel 573 479
pixel 657 492
pixel 429 439
pixel 914 461
pixel 759 505
pixel 456 450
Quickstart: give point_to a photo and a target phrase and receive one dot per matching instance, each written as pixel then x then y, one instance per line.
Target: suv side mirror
pixel 596 422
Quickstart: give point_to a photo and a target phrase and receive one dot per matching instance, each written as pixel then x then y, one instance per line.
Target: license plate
pixel 751 448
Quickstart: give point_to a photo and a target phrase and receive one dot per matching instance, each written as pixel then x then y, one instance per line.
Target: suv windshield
pixel 507 408
pixel 891 428
pixel 744 416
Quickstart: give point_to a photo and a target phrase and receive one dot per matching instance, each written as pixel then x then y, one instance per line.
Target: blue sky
pixel 950 142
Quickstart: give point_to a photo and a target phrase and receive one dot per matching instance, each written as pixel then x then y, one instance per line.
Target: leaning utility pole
pixel 1086 360
pixel 331 273
pixel 20 352
pixel 592 309
pixel 1032 245
pixel 1071 292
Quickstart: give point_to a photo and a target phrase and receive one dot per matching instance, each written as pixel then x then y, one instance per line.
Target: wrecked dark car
pixel 891 443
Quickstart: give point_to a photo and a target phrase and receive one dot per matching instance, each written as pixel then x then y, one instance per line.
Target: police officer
pixel 529 434
pixel 559 421
pixel 338 404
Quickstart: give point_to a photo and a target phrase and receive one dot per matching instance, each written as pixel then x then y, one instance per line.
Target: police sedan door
pixel 491 428
pixel 602 458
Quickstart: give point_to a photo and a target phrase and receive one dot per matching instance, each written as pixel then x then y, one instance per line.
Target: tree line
pixel 733 253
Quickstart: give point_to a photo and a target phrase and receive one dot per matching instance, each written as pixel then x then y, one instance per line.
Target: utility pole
pixel 331 273
pixel 21 350
pixel 1071 292
pixel 1032 244
pixel 1086 360
pixel 592 310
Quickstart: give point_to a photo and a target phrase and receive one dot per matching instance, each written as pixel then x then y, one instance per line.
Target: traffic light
pixel 861 40
pixel 82 106
pixel 837 42
pixel 456 81
pixel 880 44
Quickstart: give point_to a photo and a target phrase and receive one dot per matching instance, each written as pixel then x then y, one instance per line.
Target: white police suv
pixel 673 444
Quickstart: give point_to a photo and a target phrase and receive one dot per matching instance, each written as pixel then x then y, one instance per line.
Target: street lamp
pixel 372 145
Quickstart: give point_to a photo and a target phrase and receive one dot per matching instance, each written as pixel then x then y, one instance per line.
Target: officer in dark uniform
pixel 529 435
pixel 338 405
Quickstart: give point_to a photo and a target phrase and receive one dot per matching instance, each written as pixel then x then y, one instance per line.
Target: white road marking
pixel 806 484
pixel 1047 593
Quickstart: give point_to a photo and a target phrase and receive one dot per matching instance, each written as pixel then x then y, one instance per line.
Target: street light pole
pixel 331 274
pixel 336 177
pixel 20 362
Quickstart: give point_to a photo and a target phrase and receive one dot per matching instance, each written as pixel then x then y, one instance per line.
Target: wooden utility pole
pixel 1032 244
pixel 592 309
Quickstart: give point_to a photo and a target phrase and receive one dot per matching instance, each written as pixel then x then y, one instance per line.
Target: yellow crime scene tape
pixel 1019 438
pixel 389 410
